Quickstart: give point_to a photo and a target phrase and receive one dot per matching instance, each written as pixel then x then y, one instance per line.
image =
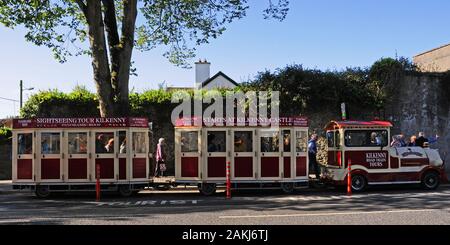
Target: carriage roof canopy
pixel 358 124
pixel 92 122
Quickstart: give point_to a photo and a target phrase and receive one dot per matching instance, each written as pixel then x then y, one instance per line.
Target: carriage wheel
pixel 42 191
pixel 287 187
pixel 125 191
pixel 207 189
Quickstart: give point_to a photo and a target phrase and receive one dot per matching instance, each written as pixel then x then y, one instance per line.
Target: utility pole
pixel 21 92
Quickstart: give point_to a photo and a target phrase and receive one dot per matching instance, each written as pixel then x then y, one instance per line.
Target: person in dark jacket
pixel 421 140
pixel 312 154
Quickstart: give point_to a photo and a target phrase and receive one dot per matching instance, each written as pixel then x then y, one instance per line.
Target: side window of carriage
pixel 104 142
pixel 301 143
pixel 217 141
pixel 189 141
pixel 78 143
pixel 243 141
pixel 286 140
pixel 269 141
pixel 24 143
pixel 139 145
pixel 50 143
pixel 123 142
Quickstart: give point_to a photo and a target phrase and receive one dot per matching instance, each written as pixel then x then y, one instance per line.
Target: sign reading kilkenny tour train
pixel 376 159
pixel 80 122
pixel 368 159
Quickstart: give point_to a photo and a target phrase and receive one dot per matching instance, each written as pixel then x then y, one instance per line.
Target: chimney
pixel 202 72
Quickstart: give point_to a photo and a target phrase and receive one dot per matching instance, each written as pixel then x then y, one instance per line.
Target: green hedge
pixel 5 135
pixel 79 102
pixel 303 91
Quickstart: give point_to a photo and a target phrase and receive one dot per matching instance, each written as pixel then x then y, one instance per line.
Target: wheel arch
pixel 362 172
pixel 429 170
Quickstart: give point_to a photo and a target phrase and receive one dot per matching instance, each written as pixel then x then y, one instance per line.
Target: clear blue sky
pixel 324 34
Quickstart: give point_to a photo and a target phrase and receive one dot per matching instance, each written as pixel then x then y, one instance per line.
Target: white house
pixel 204 80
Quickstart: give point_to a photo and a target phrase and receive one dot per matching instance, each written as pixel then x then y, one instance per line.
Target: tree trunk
pixel 127 44
pixel 121 50
pixel 112 82
pixel 100 64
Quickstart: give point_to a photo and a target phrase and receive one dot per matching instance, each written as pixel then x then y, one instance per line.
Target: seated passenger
pixel 240 145
pixel 110 146
pixel 375 139
pixel 212 147
pixel 99 147
pixel 398 141
pixel 422 140
pixel 123 146
pixel 45 147
pixel 412 141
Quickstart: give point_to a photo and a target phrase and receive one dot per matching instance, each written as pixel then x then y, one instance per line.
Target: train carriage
pixel 259 156
pixel 68 154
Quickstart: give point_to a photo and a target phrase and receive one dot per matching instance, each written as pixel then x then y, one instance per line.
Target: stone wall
pixel 423 104
pixel 5 161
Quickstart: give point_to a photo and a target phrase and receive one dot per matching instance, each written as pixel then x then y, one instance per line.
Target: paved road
pixel 401 205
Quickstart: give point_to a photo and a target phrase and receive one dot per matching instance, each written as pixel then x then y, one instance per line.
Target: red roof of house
pixel 352 124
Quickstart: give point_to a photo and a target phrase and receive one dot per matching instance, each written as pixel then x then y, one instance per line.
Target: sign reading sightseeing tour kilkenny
pixel 80 122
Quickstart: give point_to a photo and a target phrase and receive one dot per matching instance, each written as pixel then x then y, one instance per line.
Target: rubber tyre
pixel 42 191
pixel 430 181
pixel 125 191
pixel 207 189
pixel 359 183
pixel 288 187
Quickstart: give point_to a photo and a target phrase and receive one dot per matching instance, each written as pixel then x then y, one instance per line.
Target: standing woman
pixel 160 158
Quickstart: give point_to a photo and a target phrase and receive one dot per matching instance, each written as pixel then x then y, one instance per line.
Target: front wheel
pixel 207 189
pixel 430 181
pixel 359 183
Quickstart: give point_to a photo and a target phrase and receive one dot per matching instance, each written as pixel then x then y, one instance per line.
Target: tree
pixel 112 29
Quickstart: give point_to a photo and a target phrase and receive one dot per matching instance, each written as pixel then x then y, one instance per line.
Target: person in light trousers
pixel 160 158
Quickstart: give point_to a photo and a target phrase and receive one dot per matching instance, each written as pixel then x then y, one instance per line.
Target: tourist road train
pixel 71 154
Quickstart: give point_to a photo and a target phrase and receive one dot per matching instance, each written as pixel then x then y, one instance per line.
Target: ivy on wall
pixel 5 135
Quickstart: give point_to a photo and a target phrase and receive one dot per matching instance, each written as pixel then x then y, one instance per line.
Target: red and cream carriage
pixel 259 156
pixel 373 162
pixel 68 154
